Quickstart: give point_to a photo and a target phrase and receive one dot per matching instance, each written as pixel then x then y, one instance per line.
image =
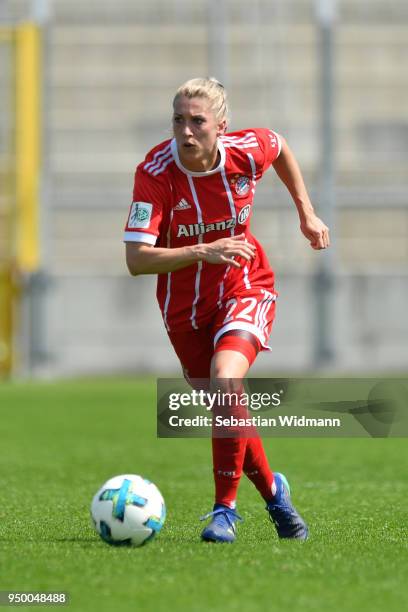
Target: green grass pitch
pixel 61 441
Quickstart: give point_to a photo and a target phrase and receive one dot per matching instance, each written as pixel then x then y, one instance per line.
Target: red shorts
pixel 252 311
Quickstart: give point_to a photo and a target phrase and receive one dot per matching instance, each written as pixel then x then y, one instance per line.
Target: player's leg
pixel 234 354
pixel 246 454
pixel 253 317
pixel 195 350
pixel 244 327
pixel 246 347
pixel 228 368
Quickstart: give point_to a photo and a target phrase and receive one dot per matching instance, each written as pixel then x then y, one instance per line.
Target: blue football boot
pixel 222 528
pixel 288 522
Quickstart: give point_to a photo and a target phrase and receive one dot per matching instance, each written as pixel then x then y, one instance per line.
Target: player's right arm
pixel 143 258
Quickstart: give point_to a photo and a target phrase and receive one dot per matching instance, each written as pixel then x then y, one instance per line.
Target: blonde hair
pixel 208 88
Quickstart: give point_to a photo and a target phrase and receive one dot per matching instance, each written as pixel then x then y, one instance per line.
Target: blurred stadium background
pixel 86 90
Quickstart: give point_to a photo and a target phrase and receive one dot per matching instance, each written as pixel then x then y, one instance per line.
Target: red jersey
pixel 174 207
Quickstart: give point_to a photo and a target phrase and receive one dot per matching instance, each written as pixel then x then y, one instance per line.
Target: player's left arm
pixel 289 172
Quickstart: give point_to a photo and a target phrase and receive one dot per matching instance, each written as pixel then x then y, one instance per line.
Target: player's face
pixel 196 130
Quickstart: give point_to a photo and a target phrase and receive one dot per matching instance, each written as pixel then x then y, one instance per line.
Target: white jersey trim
pixel 155 166
pixel 240 140
pixel 253 170
pixel 220 166
pixel 249 141
pixel 246 278
pixel 247 136
pixel 140 237
pixel 279 139
pixel 234 215
pixel 249 327
pixel 260 317
pixel 163 166
pixel 243 146
pixel 168 289
pixel 200 263
pixel 230 199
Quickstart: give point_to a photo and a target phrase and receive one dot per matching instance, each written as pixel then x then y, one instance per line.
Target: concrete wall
pixel 111 69
pixel 111 324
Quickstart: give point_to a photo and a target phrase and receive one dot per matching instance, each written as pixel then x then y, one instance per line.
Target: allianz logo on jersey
pixel 196 229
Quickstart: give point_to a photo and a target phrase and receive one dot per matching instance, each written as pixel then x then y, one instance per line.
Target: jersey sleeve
pixel 271 144
pixel 146 212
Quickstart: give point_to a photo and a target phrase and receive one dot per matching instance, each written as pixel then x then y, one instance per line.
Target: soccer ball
pixel 128 510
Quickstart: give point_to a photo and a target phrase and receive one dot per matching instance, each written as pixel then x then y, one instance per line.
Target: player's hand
pixel 223 251
pixel 316 232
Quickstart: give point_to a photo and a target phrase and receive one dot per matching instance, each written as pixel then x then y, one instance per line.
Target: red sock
pixel 256 467
pixel 228 459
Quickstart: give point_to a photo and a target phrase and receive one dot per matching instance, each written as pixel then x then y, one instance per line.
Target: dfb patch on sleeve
pixel 140 215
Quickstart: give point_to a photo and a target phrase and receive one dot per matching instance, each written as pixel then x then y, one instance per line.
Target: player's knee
pixel 225 378
pixel 229 368
pixel 220 368
pixel 226 386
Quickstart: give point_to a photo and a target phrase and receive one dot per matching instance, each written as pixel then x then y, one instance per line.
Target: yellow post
pixel 7 207
pixel 19 183
pixel 6 320
pixel 28 131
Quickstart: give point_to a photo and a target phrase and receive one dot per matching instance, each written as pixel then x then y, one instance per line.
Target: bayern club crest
pixel 242 185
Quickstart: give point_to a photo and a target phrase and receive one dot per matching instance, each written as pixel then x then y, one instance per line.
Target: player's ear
pixel 222 127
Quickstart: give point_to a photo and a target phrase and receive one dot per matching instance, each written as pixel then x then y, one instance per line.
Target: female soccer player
pixel 189 224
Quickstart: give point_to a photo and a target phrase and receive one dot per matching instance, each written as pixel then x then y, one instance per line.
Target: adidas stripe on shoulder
pixel 161 159
pixel 247 141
